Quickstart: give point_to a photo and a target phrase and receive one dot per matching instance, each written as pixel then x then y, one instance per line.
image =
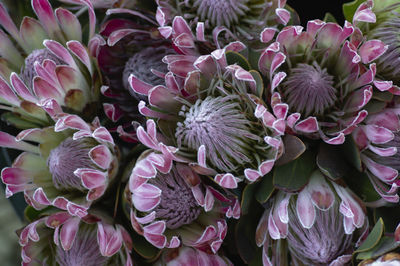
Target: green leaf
pixel 265 189
pixel 385 245
pixel 382 96
pixel 236 58
pixel 144 248
pixel 350 8
pixel 360 184
pixel 259 82
pixel 31 214
pixel 329 18
pixel 331 162
pixel 375 106
pixel 294 176
pixel 247 197
pixel 244 234
pixel 294 147
pixel 254 56
pixel 352 153
pixel 373 238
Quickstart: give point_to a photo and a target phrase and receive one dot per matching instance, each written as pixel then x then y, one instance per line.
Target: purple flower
pixel 171 205
pixel 62 239
pixel 324 74
pixel 318 223
pixel 67 166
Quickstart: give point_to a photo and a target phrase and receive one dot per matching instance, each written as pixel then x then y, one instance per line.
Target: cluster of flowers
pixel 203 132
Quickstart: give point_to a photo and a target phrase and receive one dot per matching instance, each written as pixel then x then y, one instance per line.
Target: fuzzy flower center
pixel 221 12
pixel 309 89
pixel 323 242
pixel 221 126
pixel 39 55
pixel 85 250
pixel 65 159
pixel 178 205
pixel 142 62
pixel 389 33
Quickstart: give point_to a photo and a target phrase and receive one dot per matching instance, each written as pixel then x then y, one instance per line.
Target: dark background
pixel 316 9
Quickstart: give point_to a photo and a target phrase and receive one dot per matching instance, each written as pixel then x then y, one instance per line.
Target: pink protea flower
pixel 379 142
pixel 67 166
pixel 62 239
pixel 324 74
pixel 47 69
pixel 171 205
pixel 239 19
pixel 210 115
pixel 190 256
pixel 318 223
pixel 381 20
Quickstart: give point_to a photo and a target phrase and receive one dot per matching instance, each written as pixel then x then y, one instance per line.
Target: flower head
pixel 210 115
pixel 61 239
pixel 171 205
pixel 54 64
pixel 324 74
pixel 240 19
pixel 191 256
pixel 70 167
pixel 318 223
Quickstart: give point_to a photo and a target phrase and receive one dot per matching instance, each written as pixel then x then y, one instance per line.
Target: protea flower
pixel 69 168
pixel 171 205
pixel 209 114
pixel 61 239
pixel 239 19
pixel 34 69
pixel 379 142
pixel 318 223
pixel 190 256
pixel 324 74
pixel 103 4
pixel 381 20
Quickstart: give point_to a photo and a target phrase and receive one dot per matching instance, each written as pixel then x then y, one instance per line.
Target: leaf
pixel 31 214
pixel 351 153
pixel 294 176
pixel 247 197
pixel 350 8
pixel 382 96
pixel 265 189
pixel 390 215
pixel 259 82
pixel 385 245
pixel 373 238
pixel 360 184
pixel 238 59
pixel 294 147
pixel 329 18
pixel 254 56
pixel 331 162
pixel 244 234
pixel 144 248
pixel 375 106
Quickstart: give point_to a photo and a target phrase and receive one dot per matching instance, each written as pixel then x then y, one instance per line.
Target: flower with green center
pixel 381 20
pixel 210 115
pixel 324 74
pixel 61 239
pixel 70 167
pixel 46 59
pixel 240 19
pixel 171 205
pixel 318 223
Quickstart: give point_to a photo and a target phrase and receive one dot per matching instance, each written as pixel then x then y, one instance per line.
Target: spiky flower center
pixel 84 251
pixel 309 89
pixel 65 159
pixel 28 72
pixel 221 12
pixel 323 242
pixel 178 205
pixel 389 63
pixel 142 62
pixel 221 126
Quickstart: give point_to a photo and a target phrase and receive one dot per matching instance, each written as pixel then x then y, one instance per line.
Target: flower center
pixel 323 242
pixel 65 159
pixel 221 12
pixel 84 251
pixel 221 126
pixel 142 62
pixel 309 89
pixel 389 63
pixel 178 205
pixel 39 55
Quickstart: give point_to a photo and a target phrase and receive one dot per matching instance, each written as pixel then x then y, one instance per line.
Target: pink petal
pixel 308 125
pixel 109 239
pixel 226 180
pixel 267 34
pixel 377 134
pixel 7 94
pixel 101 156
pixel 69 24
pixel 77 49
pixel 68 232
pixel 102 134
pixel 371 50
pixel 91 178
pixel 321 194
pixel 21 89
pixel 305 209
pixel 385 173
